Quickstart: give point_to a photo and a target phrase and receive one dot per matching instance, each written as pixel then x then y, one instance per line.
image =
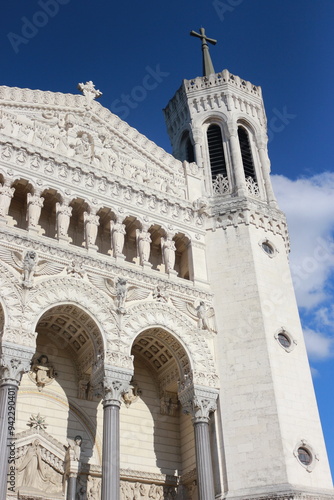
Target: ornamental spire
pixel 208 68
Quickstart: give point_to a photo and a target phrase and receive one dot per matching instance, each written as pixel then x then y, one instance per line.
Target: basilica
pixel 151 346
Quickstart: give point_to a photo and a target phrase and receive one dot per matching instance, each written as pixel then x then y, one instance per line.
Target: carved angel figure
pixel 29 264
pixel 43 371
pixel 201 312
pixel 120 291
pixel 6 195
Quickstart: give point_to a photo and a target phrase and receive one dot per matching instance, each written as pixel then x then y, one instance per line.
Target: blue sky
pixel 286 46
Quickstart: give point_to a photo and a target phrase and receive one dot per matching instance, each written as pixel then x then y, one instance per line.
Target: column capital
pixel 198 402
pixel 14 362
pixel 232 128
pixel 111 383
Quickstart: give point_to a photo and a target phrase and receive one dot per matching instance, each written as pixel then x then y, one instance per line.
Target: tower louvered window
pixel 216 151
pixel 246 153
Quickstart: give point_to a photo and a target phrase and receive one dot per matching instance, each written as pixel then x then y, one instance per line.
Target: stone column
pixel 199 403
pixel 115 384
pixel 6 195
pixel 71 487
pixel 238 169
pixel 34 206
pixel 197 136
pixel 265 163
pixel 13 363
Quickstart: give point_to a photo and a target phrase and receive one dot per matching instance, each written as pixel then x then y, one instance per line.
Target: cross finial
pixel 88 89
pixel 207 63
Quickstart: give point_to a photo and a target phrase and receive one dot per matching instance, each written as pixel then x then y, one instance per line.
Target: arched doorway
pixel 157 439
pixel 59 418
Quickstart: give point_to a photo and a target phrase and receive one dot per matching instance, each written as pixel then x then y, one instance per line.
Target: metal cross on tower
pixel 207 63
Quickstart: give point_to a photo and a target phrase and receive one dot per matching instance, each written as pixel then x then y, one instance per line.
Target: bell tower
pixel 268 434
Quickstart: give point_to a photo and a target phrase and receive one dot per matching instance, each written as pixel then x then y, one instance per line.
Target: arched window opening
pixel 216 151
pixel 246 153
pixel 187 148
pixel 190 155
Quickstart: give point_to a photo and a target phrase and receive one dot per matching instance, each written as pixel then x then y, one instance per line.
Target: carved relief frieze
pixel 61 129
pixel 79 263
pixel 88 182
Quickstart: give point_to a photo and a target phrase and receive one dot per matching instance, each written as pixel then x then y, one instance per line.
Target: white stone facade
pixel 142 304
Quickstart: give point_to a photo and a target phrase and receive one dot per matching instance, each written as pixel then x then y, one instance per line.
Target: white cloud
pixel 319 347
pixel 309 207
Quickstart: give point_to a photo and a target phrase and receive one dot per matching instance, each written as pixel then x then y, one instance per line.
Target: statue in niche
pixel 74 445
pixel 35 203
pixel 168 252
pixel 143 239
pixel 91 226
pixel 32 473
pixel 64 213
pixel 117 237
pixel 6 195
pixel 43 372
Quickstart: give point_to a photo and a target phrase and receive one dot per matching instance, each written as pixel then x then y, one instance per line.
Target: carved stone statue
pixel 91 226
pixel 83 147
pixel 117 237
pixel 131 396
pixel 75 446
pixel 143 239
pixel 34 475
pixel 168 252
pixel 43 371
pixel 202 315
pixel 34 207
pixel 121 291
pixel 6 195
pixel 64 213
pixel 29 266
